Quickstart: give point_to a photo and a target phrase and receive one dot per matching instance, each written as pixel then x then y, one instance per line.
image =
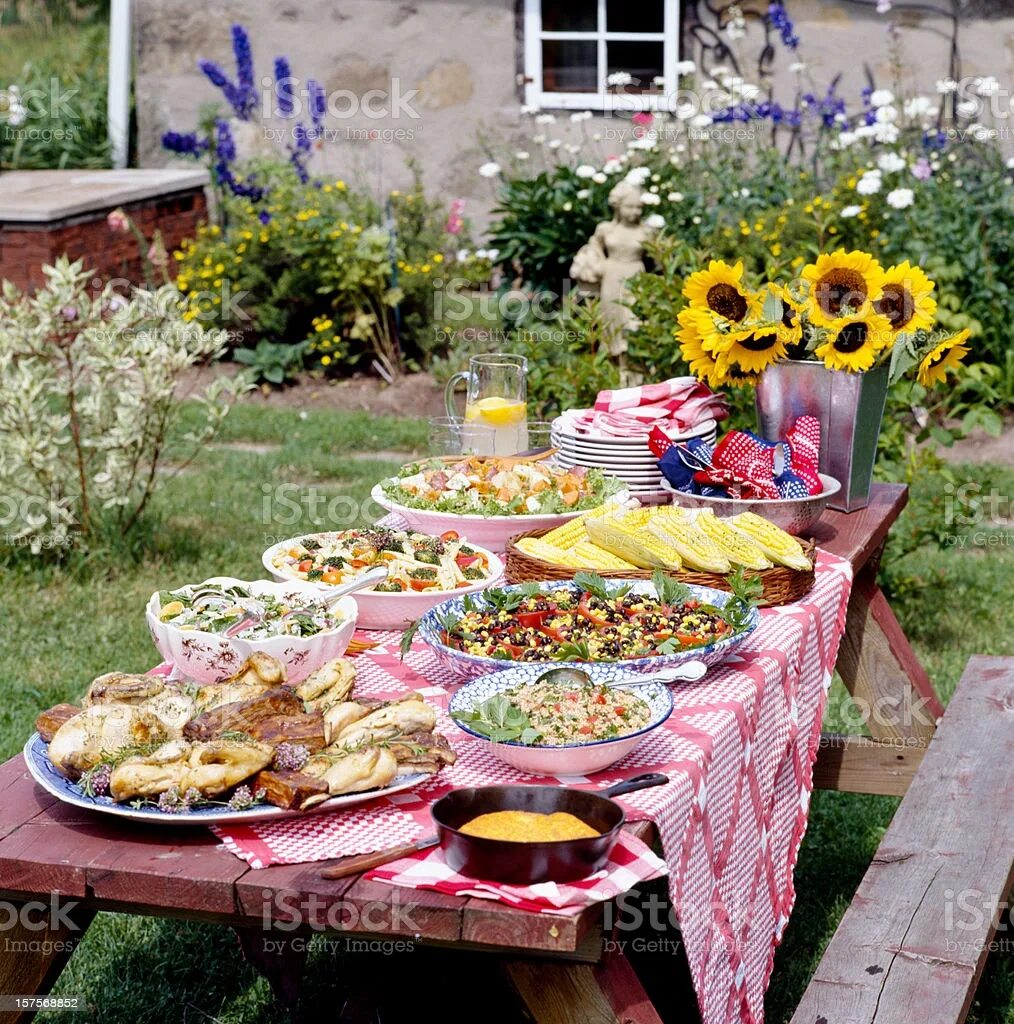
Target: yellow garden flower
pixel 751 351
pixel 840 282
pixel 947 355
pixel 854 341
pixel 700 361
pixel 720 289
pixel 907 299
pixel 791 329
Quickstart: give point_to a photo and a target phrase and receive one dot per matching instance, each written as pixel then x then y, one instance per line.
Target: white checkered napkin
pixel 630 862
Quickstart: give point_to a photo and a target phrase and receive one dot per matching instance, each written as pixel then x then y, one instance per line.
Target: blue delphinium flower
pixel 283 87
pixel 244 61
pixel 225 144
pixel 317 101
pixel 184 143
pixel 264 217
pixel 220 80
pixel 780 20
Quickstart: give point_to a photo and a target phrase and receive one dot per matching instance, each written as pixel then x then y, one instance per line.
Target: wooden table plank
pixel 861 764
pixel 857 535
pixel 912 944
pixel 20 799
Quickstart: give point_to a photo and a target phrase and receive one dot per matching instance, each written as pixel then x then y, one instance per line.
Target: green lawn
pixel 61 628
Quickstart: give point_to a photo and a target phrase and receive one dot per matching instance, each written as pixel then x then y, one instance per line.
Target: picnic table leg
pixel 281 963
pixel 608 992
pixel 891 689
pixel 33 957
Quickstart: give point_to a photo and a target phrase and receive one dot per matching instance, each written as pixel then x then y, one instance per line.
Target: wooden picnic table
pixel 104 864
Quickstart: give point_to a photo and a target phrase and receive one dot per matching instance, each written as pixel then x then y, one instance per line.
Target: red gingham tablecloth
pixel 739 750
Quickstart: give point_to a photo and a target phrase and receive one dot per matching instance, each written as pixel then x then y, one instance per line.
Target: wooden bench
pixel 912 945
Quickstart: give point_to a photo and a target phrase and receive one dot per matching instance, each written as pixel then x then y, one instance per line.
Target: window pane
pixel 569 16
pixel 635 15
pixel 569 65
pixel 642 60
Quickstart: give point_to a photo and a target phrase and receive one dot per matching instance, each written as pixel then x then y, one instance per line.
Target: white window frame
pixel 603 99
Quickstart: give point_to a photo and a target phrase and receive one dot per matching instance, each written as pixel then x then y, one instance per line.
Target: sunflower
pixel 791 329
pixel 853 341
pixel 946 356
pixel 907 299
pixel 702 364
pixel 719 290
pixel 842 282
pixel 751 350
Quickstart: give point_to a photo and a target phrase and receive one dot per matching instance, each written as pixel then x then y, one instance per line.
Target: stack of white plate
pixel 628 458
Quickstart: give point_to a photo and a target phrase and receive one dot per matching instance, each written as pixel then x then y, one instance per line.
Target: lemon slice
pixel 497 412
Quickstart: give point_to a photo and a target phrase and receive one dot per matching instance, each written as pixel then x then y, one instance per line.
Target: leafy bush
pixel 88 402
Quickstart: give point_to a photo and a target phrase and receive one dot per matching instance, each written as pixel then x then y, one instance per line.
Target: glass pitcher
pixel 496 398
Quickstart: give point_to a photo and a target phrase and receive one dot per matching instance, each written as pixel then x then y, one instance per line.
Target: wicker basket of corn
pixel 693 547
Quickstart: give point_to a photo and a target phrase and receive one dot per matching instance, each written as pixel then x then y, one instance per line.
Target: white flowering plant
pixel 90 405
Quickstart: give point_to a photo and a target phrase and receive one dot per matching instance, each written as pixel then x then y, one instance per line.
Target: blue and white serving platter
pixel 46 775
pixel 465 666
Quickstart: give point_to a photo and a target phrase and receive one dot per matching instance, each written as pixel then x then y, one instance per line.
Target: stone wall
pixel 462 57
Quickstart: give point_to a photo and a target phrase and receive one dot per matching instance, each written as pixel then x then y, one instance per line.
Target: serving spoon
pixel 689 671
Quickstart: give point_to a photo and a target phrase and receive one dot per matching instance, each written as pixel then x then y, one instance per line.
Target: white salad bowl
pixel 210 658
pixel 491 532
pixel 380 610
pixel 571 759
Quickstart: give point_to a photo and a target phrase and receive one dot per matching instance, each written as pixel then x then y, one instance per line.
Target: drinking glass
pixel 450 435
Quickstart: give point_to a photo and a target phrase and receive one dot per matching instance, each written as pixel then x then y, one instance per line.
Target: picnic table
pixel 48 847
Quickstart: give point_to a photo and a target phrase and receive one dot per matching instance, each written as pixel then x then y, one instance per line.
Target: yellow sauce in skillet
pixel 528 827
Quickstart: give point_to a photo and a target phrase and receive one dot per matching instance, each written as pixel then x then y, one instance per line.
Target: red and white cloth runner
pixel 674 405
pixel 630 863
pixel 739 751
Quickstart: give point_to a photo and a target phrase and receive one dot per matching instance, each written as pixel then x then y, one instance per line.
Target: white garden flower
pixel 490 169
pixel 1010 161
pixel 538 139
pixel 461 255
pixel 12 109
pixel 619 78
pixel 684 111
pixel 709 84
pixel 685 67
pixel 584 171
pixel 869 184
pixel 701 121
pixel 881 98
pixel 900 198
pixel 891 163
pixel 554 144
pixel 545 119
pixel 987 86
pixel 650 199
pixel 612 165
pixel 850 211
pixel 675 197
pixel 658 81
pixel 887 114
pixel 655 220
pixel 583 193
pixel 920 106
pixel 797 67
pixel 530 108
pixel 946 85
pixel 581 115
pixel 599 179
pixel 645 142
pixel 522 154
pixel 749 92
pixel 572 148
pixel 637 175
pixel 980 133
pixel 886 133
pixel 967 108
pixel 568 206
pixel 844 140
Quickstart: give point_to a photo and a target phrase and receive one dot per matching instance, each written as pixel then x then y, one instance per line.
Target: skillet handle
pixel 636 783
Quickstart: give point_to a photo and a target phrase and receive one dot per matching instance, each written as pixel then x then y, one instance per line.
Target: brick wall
pixel 26 247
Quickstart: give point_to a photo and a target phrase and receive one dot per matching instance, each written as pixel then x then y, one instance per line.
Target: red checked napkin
pixel 629 863
pixel 675 405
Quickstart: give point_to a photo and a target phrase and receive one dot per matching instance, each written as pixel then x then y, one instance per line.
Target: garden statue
pixel 611 257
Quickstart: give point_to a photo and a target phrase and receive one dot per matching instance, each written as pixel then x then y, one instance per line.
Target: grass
pixel 63 627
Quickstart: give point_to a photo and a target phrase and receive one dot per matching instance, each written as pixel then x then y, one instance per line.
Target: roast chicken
pixel 156 735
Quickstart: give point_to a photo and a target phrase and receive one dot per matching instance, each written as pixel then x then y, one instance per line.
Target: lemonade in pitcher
pixel 496 409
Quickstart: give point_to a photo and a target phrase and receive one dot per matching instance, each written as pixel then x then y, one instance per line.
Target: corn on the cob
pixel 538 548
pixel 738 548
pixel 633 545
pixel 567 535
pixel 637 517
pixel 696 548
pixel 591 556
pixel 778 545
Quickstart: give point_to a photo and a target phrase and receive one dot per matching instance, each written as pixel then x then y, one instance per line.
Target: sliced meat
pixel 306 730
pixel 123 688
pixel 242 715
pixel 289 789
pixel 421 752
pixel 49 721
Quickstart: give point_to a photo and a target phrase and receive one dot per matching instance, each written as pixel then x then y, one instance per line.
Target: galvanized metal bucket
pixel 849 406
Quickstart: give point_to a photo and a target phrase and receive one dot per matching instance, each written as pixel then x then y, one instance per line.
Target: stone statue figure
pixel 613 255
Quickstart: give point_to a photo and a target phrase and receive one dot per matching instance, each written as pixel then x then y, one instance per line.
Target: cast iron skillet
pixel 502 860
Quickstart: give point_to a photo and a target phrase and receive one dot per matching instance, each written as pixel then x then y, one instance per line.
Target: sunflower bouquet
pixel 844 310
